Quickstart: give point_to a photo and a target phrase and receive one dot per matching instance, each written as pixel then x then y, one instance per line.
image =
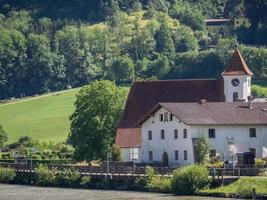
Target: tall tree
pixel 93 123
pixel 122 70
pixel 164 41
pixel 3 136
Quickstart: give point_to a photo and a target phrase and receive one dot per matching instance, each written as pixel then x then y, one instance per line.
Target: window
pixel 212 133
pixel 185 133
pixel 166 117
pixel 176 155
pixel 252 132
pixel 253 150
pixel 185 155
pixel 150 154
pixel 134 153
pixel 161 117
pixel 212 153
pixel 175 133
pixel 235 96
pixel 171 116
pixel 162 134
pixel 149 135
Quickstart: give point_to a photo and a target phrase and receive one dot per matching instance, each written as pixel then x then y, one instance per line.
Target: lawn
pixel 45 117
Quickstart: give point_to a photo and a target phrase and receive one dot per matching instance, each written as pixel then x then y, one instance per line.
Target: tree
pixel 164 41
pixel 93 124
pixel 3 136
pixel 116 153
pixel 160 67
pixel 202 150
pixel 73 45
pixel 184 40
pixel 189 15
pixel 122 69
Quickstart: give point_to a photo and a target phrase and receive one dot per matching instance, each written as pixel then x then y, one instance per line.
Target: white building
pixel 167 117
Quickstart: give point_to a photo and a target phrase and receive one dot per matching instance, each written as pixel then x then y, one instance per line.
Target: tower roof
pixel 237 66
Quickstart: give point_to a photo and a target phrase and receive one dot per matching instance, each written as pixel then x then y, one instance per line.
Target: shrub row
pixel 187 180
pixel 7 175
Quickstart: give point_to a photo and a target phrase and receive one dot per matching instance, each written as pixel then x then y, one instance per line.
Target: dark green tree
pixel 164 41
pixel 202 150
pixel 93 123
pixel 3 136
pixel 184 40
pixel 122 69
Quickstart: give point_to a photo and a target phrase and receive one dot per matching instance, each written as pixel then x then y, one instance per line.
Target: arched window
pixel 235 96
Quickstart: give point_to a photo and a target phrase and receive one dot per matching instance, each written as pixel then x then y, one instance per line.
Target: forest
pixel 53 45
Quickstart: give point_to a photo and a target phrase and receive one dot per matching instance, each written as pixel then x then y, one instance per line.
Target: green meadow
pixel 44 117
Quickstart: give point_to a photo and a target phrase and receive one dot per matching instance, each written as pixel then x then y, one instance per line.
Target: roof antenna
pixel 250 100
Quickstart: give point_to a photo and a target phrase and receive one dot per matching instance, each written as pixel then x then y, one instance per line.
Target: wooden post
pixel 238 172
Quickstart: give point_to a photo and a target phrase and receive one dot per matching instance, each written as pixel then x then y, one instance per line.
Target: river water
pixel 19 192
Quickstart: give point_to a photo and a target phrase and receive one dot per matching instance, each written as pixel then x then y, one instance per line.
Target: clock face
pixel 235 82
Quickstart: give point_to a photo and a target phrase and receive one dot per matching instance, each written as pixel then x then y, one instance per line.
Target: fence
pixel 124 169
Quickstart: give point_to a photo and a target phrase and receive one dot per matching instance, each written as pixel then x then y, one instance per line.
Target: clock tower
pixel 237 79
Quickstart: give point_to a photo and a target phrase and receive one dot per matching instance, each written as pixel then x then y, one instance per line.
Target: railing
pixel 94 170
pixel 137 170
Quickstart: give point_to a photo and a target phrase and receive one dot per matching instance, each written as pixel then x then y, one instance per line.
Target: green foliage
pixel 116 153
pixel 86 181
pixel 68 177
pixel 93 123
pixel 259 162
pixel 7 175
pixel 258 91
pixel 189 15
pixel 45 176
pixel 44 150
pixel 154 183
pixel 190 179
pixel 164 41
pixel 184 40
pixel 159 184
pixel 202 150
pixel 3 136
pixel 241 188
pixel 122 69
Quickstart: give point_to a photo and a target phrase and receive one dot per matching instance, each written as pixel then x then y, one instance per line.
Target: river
pixel 20 192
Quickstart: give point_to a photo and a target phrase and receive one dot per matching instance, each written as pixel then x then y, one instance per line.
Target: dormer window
pixel 161 117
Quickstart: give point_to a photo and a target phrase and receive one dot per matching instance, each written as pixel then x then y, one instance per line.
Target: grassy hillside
pixel 45 117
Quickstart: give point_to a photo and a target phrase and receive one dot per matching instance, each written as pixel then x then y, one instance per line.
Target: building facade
pixel 166 117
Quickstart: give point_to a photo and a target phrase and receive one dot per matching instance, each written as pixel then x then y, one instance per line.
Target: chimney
pixel 250 100
pixel 203 102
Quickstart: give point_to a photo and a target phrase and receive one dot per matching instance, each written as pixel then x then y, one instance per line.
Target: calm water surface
pixel 18 192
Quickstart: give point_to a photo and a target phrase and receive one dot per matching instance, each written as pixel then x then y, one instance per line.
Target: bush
pixel 159 184
pixel 7 175
pixel 190 179
pixel 258 91
pixel 85 181
pixel 68 177
pixel 259 162
pixel 45 176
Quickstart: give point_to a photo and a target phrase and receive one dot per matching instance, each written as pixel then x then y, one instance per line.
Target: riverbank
pixel 21 192
pixel 241 188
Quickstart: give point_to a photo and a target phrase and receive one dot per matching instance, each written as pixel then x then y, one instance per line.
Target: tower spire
pixel 237 66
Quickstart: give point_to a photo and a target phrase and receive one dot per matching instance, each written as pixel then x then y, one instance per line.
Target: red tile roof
pixel 237 66
pixel 215 113
pixel 144 95
pixel 129 137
